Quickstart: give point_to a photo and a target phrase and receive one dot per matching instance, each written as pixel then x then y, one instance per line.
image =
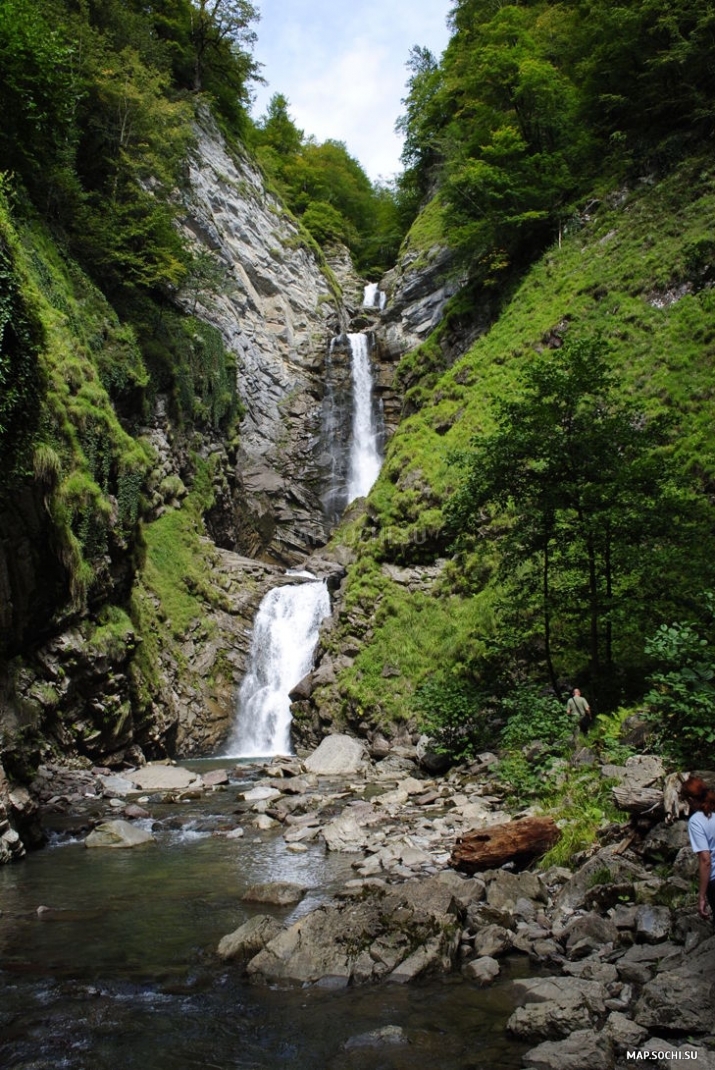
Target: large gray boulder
pixel 248 939
pixel 504 889
pixel 401 935
pixel 337 755
pixel 682 998
pixel 605 871
pixel 350 830
pixel 163 778
pixel 275 893
pixel 118 834
pixel 555 1007
pixel 583 1048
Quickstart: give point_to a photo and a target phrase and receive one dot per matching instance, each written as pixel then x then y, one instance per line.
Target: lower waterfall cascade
pixel 284 637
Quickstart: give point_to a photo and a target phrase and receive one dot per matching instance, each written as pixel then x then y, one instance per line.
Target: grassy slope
pixel 635 267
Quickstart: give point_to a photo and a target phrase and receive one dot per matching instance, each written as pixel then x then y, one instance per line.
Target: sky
pixel 341 64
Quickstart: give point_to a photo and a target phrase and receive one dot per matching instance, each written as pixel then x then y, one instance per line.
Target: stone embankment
pixel 623 967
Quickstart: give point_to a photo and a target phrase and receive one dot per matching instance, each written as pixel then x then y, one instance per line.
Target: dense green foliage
pixel 583 419
pixel 682 692
pixel 594 504
pixel 329 191
pixel 531 101
pixel 97 106
pixel 97 109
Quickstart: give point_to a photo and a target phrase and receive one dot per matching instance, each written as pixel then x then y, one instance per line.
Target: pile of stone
pixel 624 963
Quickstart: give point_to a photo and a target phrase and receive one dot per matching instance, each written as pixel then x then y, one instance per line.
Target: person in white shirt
pixel 701 831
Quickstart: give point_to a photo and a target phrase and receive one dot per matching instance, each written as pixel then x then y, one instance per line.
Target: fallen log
pixel 519 842
pixel 639 800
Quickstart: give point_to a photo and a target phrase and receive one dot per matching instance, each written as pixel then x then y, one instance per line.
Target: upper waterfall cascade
pixel 373 297
pixel 365 457
pixel 284 637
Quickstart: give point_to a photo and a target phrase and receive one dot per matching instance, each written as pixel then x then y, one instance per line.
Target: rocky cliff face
pixel 74 686
pixel 277 309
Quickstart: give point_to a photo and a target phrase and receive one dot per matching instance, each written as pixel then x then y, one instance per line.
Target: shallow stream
pixel 108 962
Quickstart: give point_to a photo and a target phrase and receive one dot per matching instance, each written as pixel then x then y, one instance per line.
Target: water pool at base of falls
pixel 119 969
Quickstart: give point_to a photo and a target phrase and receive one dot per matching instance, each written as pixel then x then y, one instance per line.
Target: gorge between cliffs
pixel 318 497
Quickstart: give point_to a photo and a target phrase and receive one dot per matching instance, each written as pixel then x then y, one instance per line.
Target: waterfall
pixel 284 636
pixel 373 297
pixel 364 450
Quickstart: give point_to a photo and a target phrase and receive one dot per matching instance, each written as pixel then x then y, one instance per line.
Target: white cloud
pixel 342 67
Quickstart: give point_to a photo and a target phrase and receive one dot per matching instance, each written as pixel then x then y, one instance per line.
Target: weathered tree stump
pixel 519 842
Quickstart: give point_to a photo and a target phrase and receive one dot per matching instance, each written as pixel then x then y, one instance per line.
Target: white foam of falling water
pixel 373 297
pixel 365 458
pixel 285 633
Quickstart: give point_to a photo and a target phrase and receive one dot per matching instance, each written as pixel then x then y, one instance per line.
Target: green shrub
pixel 682 694
pixel 534 716
pixel 456 715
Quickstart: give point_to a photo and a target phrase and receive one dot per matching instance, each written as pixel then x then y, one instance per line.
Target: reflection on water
pixel 118 970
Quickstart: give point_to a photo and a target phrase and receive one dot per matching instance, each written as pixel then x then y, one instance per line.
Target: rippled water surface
pixel 118 969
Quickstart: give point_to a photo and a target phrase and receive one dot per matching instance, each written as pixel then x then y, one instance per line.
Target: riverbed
pixel 108 962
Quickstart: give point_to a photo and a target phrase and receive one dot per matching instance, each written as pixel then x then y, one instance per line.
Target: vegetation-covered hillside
pixel 554 485
pixel 562 469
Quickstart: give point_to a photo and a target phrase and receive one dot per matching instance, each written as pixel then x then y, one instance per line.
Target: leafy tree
pixel 39 94
pixel 134 140
pixel 221 36
pixel 324 185
pixel 278 132
pixel 588 491
pixel 328 225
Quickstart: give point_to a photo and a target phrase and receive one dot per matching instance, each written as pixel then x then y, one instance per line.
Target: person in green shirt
pixel 578 708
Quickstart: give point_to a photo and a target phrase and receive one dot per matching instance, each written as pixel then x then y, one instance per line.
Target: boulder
pixel 277 893
pixel 588 933
pixel 400 935
pixel 261 793
pixel 625 1034
pixel 482 970
pixel 604 870
pixel 114 784
pixel 246 941
pixel 505 889
pixel 465 890
pixel 584 1048
pixel 215 778
pixel 337 755
pixel 377 1038
pixel 492 940
pixel 118 834
pixel 163 778
pixel 665 1055
pixel 426 959
pixel 555 1007
pixel 681 999
pixel 349 831
pixel 664 841
pixel 653 924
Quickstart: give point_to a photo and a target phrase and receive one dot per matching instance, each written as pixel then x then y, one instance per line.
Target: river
pixel 108 962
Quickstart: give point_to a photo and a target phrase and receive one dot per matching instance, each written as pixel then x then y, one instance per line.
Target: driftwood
pixel 637 800
pixel 519 842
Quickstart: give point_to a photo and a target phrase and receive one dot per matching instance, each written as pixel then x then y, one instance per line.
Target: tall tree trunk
pixel 546 598
pixel 609 595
